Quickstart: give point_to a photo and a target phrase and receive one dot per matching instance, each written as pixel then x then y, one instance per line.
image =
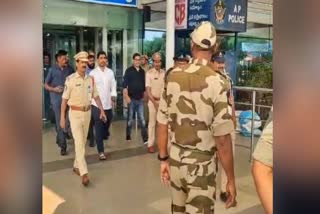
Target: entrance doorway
pixel 73 39
pixel 115 56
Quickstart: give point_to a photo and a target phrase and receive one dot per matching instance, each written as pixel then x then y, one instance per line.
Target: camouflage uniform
pixel 224 179
pixel 194 105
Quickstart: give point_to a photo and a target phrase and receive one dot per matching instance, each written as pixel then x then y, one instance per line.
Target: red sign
pixel 181 10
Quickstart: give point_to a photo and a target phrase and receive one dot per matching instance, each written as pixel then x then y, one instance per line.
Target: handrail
pixel 253 104
pixel 252 89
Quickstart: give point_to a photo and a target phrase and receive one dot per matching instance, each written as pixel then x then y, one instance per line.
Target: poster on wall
pixel 181 14
pixel 128 3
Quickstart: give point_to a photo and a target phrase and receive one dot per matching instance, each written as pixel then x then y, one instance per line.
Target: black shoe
pixel 91 144
pixel 224 196
pixel 63 152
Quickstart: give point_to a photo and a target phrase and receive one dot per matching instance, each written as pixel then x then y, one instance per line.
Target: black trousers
pixel 101 128
pixel 90 131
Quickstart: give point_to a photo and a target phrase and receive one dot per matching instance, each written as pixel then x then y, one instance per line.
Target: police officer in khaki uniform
pixel 78 91
pixel 154 85
pixel 194 106
pixel 180 60
pixel 262 167
pixel 218 64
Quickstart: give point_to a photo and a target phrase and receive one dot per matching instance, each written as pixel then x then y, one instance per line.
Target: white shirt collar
pixel 105 69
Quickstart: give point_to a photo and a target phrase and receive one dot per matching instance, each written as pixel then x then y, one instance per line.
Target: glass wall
pixel 75 26
pixel 248 55
pixel 248 60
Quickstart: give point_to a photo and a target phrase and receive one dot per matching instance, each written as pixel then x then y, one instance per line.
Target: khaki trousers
pixel 79 122
pixel 224 178
pixel 152 124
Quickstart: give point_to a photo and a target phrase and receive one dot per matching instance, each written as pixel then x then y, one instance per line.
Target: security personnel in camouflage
pixel 194 107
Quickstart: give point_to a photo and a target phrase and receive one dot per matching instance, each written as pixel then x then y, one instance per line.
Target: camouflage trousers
pixel 193 180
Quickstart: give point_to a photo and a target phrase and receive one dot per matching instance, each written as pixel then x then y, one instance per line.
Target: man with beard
pixel 54 84
pixel 91 64
pixel 90 67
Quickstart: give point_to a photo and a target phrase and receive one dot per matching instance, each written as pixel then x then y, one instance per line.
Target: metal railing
pixel 253 105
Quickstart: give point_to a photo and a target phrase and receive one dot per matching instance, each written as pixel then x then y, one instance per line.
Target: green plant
pixel 257 73
pixel 156 45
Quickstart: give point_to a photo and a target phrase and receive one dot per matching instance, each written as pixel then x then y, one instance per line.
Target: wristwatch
pixel 164 158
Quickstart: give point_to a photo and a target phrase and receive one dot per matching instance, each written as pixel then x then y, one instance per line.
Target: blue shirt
pixel 88 70
pixel 57 77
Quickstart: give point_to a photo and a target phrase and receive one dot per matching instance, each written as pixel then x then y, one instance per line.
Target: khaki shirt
pixel 229 82
pixel 146 67
pixel 230 92
pixel 195 107
pixel 155 80
pixel 264 149
pixel 79 91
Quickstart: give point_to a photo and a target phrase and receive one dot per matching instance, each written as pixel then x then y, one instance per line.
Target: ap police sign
pixel 226 15
pixel 229 15
pixel 128 3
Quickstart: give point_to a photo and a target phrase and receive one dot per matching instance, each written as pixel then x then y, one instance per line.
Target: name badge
pixel 156 78
pixel 77 85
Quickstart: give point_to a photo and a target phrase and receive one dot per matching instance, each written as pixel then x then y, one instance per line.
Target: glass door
pixel 54 40
pixel 115 57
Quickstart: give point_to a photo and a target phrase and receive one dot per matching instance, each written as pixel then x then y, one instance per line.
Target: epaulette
pixel 70 76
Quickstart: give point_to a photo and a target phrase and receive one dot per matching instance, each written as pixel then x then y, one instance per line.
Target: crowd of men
pixel 190 107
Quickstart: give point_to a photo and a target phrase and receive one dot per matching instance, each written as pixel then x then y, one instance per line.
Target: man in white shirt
pixel 106 85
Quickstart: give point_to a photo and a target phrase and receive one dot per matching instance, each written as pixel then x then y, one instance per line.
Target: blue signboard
pixel 229 15
pixel 226 15
pixel 128 3
pixel 198 11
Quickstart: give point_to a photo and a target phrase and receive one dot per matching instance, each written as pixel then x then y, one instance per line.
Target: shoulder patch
pixel 71 76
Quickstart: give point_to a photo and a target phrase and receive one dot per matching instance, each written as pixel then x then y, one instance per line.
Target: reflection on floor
pixel 128 182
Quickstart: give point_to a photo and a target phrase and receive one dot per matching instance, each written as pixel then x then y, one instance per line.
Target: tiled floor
pixel 128 182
